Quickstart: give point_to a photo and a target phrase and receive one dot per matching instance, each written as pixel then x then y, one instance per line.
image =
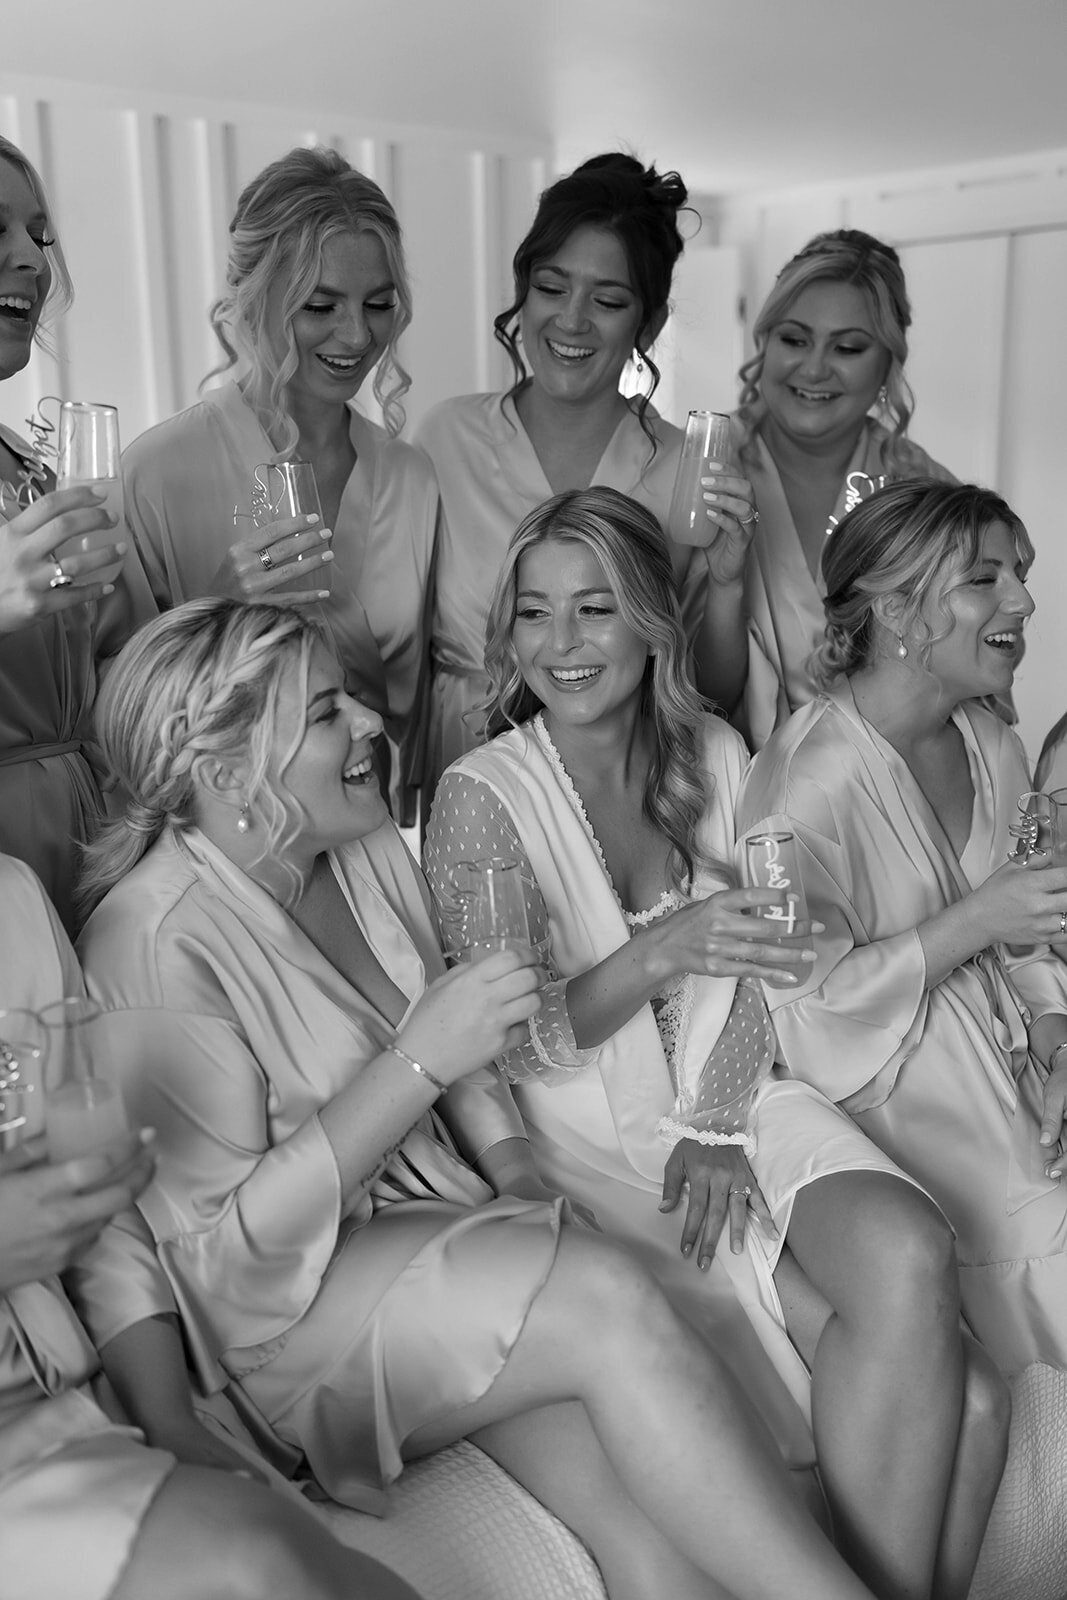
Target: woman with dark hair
pixel 649 1065
pixel 935 1012
pixel 277 998
pixel 592 292
pixel 56 623
pixel 822 423
pixel 317 296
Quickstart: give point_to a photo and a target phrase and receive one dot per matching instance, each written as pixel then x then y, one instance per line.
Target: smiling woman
pixel 317 297
pixel 935 1011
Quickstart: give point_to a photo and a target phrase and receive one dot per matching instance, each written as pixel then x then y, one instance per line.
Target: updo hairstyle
pixel 910 539
pixel 198 684
pixel 284 217
pixel 852 257
pixel 640 206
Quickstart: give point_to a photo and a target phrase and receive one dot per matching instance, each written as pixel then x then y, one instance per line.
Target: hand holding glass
pixel 84 1113
pixel 773 864
pixel 22 1053
pixel 282 489
pixel 707 438
pixel 88 457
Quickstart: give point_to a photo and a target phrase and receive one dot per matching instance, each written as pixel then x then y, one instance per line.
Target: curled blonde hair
pixel 846 256
pixel 201 683
pixel 284 217
pixel 911 540
pixel 630 546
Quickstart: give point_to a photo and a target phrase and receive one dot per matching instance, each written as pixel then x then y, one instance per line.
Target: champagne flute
pixel 773 864
pixel 707 438
pixel 22 1054
pixel 83 1113
pixel 493 899
pixel 88 457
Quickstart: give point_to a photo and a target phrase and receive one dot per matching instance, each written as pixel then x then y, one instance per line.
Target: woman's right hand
pixel 258 566
pixel 723 936
pixel 28 545
pixel 1019 905
pixel 474 1013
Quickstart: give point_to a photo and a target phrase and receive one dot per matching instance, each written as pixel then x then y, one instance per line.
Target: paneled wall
pixel 985 251
pixel 144 190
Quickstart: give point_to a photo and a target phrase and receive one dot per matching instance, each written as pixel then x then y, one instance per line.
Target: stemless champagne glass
pixel 288 489
pixel 493 904
pixel 88 457
pixel 773 864
pixel 83 1113
pixel 22 1053
pixel 707 438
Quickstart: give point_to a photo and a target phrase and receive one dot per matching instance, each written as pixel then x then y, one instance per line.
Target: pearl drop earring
pixel 902 649
pixel 243 823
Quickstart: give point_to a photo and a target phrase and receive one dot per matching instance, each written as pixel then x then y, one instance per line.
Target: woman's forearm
pixel 369 1120
pixel 950 939
pixel 602 1000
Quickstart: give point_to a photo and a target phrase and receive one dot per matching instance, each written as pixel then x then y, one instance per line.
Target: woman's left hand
pixel 721 1183
pixel 1055 1117
pixel 732 513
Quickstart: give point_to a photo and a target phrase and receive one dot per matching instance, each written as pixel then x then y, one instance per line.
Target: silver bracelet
pixel 416 1066
pixel 1055 1052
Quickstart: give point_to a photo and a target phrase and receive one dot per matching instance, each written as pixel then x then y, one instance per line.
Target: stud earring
pixel 243 823
pixel 902 649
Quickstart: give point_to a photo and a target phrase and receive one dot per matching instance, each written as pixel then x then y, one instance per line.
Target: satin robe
pixel 783 601
pixel 49 798
pixel 183 480
pixel 595 1136
pixel 942 1078
pixel 347 1326
pixel 74 1487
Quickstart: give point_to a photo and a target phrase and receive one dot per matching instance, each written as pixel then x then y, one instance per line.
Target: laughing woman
pixel 649 1068
pixel 935 1012
pixel 317 296
pixel 56 623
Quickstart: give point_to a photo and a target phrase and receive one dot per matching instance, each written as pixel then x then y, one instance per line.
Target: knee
pixel 610 1288
pixel 986 1401
pixel 914 1256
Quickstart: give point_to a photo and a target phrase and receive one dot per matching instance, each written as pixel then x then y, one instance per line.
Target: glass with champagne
pixel 88 458
pixel 83 1114
pixel 707 439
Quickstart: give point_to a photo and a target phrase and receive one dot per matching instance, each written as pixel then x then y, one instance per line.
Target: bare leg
pixel 683 1444
pixel 887 1376
pixel 212 1536
pixel 980 1457
pixel 557 1456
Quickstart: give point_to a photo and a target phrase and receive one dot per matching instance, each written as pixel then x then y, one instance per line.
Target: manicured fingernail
pixel 327 533
pixel 121 548
pixel 712 499
pixel 790 977
pixel 687 1249
pixel 807 955
pixel 1056 1172
pixel 705 1263
pixel 327 555
pixel 311 518
pixel 715 466
pixel 1046 1138
pixel 323 594
pixel 146 1135
pixel 109 588
pixel 818 927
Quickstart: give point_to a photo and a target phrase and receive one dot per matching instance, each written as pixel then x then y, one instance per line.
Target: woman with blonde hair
pixel 278 1006
pixel 56 622
pixel 317 296
pixel 935 1012
pixel 822 423
pixel 648 1068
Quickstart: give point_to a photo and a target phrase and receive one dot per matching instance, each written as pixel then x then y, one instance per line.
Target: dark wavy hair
pixel 630 546
pixel 913 539
pixel 640 206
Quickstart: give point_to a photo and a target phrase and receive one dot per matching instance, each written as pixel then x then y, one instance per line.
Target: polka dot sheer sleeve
pixel 469 822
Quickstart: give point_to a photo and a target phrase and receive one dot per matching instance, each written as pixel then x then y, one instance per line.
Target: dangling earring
pixel 883 396
pixel 638 362
pixel 902 649
pixel 243 823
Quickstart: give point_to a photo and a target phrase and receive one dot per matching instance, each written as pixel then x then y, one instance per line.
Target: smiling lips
pixel 359 771
pixel 16 306
pixel 569 352
pixel 340 366
pixel 574 677
pixel 1007 641
pixel 812 394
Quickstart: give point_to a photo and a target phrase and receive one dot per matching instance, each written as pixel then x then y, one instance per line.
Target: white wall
pixel 144 189
pixel 985 252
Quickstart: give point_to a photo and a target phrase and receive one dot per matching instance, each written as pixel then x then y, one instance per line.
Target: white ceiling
pixel 739 94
